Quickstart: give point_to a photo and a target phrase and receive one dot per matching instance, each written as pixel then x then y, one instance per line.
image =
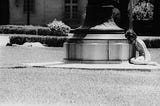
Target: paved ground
pixel 4 40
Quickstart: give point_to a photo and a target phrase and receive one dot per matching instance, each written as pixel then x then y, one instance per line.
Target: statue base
pixel 98 48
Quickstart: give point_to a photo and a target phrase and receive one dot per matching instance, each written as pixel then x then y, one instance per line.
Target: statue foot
pixel 110 25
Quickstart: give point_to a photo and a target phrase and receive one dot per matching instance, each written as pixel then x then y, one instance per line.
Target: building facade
pixel 42 12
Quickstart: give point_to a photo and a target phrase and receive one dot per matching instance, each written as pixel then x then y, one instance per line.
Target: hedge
pixel 50 41
pixel 152 43
pixel 57 41
pixel 27 29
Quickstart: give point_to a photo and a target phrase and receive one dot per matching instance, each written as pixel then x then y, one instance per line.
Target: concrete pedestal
pixel 98 48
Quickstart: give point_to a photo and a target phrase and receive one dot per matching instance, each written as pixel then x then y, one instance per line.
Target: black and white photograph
pixel 79 53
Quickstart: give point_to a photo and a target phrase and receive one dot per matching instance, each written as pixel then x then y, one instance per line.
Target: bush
pixel 32 30
pixel 143 11
pixel 59 28
pixel 18 29
pixel 44 31
pixel 51 41
pixel 152 43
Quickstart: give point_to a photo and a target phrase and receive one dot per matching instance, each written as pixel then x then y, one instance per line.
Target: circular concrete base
pixel 98 48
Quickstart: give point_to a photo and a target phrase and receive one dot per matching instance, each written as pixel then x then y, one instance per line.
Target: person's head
pixel 131 36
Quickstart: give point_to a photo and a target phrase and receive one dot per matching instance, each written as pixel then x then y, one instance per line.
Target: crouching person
pixel 144 57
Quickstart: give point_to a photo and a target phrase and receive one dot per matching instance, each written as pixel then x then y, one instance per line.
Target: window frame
pixel 32 5
pixel 71 15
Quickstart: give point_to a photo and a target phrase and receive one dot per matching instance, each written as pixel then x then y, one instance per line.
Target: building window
pixel 29 5
pixel 71 9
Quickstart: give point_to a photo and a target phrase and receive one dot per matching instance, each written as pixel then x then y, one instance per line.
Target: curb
pixel 125 66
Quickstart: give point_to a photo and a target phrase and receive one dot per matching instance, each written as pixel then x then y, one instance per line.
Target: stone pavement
pixel 4 40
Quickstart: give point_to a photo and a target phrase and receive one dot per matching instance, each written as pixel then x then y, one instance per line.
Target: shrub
pixel 143 11
pixel 17 29
pixel 51 41
pixel 152 43
pixel 59 28
pixel 25 29
pixel 44 31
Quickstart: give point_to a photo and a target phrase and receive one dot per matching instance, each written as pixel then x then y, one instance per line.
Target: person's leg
pixel 141 61
pixel 140 58
pixel 133 60
pixel 138 61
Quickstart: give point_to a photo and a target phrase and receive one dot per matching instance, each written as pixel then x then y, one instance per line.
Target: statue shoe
pixel 110 25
